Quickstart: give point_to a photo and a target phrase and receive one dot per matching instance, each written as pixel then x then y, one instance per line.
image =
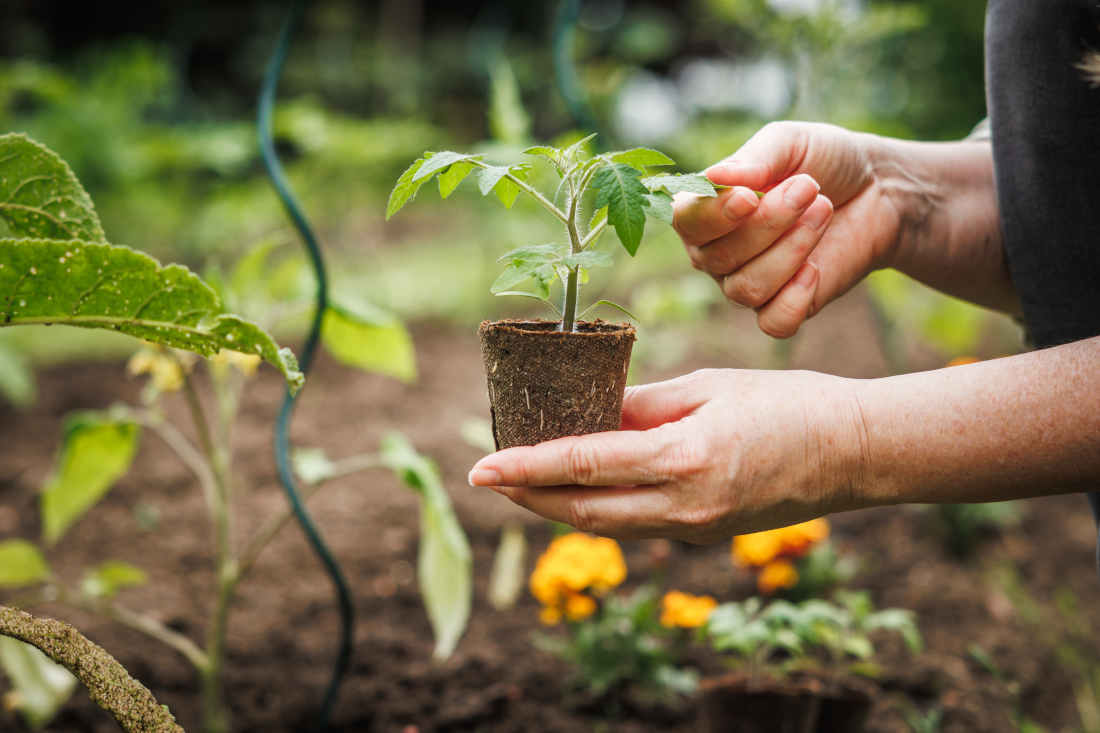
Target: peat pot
pixel 546 384
pixel 735 703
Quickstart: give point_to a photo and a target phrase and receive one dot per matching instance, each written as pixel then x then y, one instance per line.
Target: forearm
pixel 1015 427
pixel 950 233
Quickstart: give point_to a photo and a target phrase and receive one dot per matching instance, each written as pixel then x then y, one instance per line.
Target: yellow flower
pixel 579 607
pixel 550 615
pixel 961 360
pixel 684 610
pixel 574 563
pixel 776 575
pixel 246 364
pixel 165 371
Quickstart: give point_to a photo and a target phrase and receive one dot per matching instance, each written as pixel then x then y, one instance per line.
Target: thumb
pixel 649 405
pixel 770 156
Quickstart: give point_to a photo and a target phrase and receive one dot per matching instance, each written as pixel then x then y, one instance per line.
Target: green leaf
pixel 445 564
pixel 659 206
pixel 589 258
pixel 96 451
pixel 478 433
pixel 40 686
pixel 41 198
pixel 508 120
pixel 533 253
pixel 16 378
pixel 111 577
pixel 507 190
pixel 682 183
pixel 858 646
pixel 573 153
pixel 21 563
pixel 640 158
pixel 250 273
pixel 435 162
pixel 450 178
pixel 371 340
pixel 520 271
pixel 541 296
pixel 489 177
pixel 545 151
pixel 610 304
pixel 405 189
pixel 619 188
pixel 598 217
pixel 312 465
pixel 509 572
pixel 106 286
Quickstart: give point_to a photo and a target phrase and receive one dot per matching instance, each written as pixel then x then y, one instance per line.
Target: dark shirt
pixel 1045 121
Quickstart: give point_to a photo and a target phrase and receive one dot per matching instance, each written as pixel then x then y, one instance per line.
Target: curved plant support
pixel 108 683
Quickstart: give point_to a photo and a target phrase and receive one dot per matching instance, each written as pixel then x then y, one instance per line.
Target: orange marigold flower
pixel 579 607
pixel 776 575
pixel 960 360
pixel 574 563
pixel 683 610
pixel 550 615
pixel 759 548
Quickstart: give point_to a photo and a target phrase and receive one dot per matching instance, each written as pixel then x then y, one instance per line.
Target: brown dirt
pixel 545 384
pixel 1027 600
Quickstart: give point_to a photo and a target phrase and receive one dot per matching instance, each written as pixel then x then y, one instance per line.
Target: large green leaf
pixel 78 283
pixel 21 563
pixel 369 339
pixel 619 188
pixel 95 452
pixel 39 195
pixel 40 685
pixel 405 189
pixel 445 564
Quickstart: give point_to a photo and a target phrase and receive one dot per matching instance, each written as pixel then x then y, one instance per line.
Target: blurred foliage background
pixel 153 106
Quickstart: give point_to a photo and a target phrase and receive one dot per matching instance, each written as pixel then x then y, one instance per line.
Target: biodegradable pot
pixel 546 384
pixel 801 704
pixel 736 703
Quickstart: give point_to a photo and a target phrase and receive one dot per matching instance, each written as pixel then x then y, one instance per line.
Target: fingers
pixel 783 314
pixel 625 457
pixel 649 405
pixel 778 211
pixel 762 277
pixel 622 512
pixel 700 219
pixel 775 152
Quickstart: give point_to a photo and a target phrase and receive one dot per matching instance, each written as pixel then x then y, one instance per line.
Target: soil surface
pixel 1008 632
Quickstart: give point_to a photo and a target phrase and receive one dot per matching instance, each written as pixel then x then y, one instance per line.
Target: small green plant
pixel 782 637
pixel 964 526
pixel 612 640
pixel 614 187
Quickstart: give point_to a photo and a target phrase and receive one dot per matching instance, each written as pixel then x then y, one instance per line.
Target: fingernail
pixel 817 215
pixel 740 204
pixel 806 276
pixel 484 477
pixel 800 192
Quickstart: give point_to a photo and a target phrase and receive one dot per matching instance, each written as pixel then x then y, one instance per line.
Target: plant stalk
pixel 572 282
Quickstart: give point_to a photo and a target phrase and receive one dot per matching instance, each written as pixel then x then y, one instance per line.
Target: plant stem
pixel 214 713
pixel 593 234
pixel 572 283
pixel 107 682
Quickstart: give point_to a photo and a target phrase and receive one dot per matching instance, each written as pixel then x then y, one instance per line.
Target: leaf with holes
pixel 619 188
pixel 40 196
pixel 96 451
pixel 77 283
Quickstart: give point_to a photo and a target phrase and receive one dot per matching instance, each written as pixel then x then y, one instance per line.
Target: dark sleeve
pixel 1045 120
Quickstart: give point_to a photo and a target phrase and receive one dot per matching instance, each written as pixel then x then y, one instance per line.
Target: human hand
pixel 825 221
pixel 700 458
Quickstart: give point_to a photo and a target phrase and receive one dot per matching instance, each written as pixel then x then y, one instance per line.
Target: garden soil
pixel 1007 632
